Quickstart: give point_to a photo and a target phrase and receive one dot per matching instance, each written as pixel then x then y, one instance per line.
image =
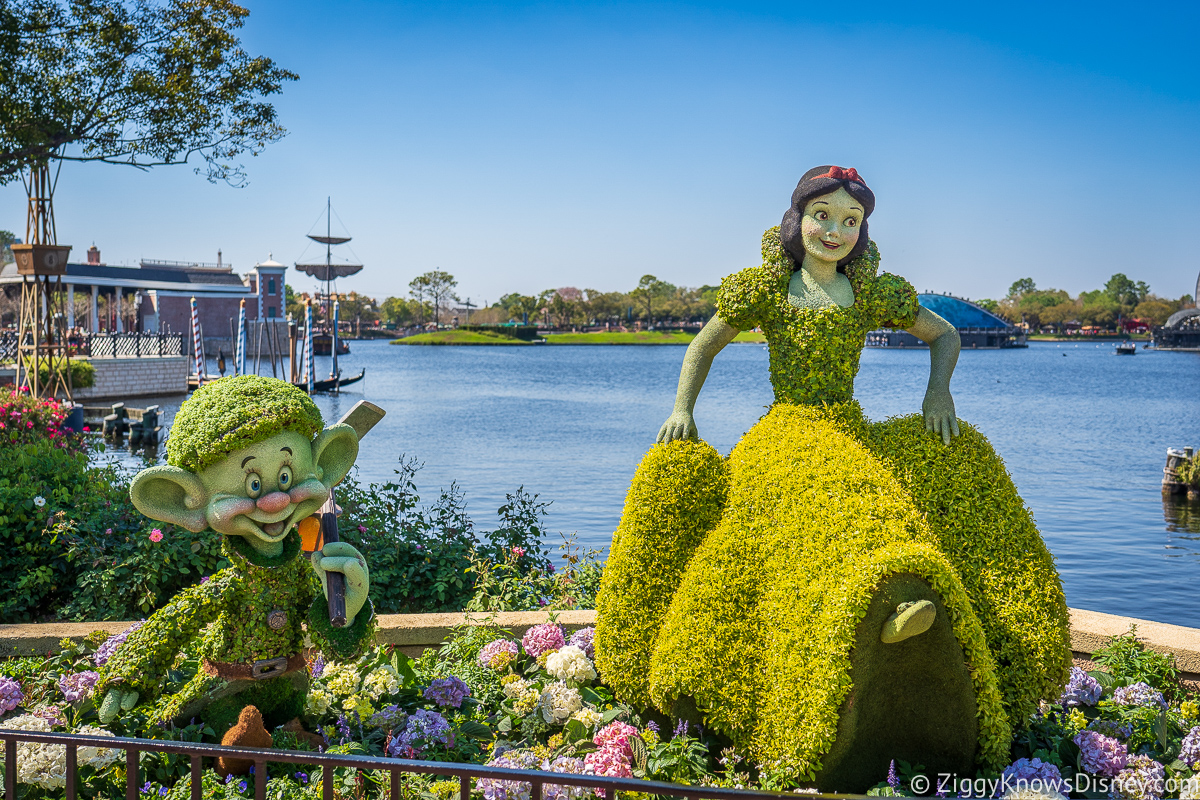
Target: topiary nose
pixel 274 502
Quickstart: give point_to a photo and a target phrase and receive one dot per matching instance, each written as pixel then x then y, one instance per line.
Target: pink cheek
pixel 223 511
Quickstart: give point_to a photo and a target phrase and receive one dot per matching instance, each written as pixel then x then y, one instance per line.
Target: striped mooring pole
pixel 197 348
pixel 308 344
pixel 334 343
pixel 239 361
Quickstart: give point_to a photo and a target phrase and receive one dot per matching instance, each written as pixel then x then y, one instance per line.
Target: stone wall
pixel 121 378
pixel 415 633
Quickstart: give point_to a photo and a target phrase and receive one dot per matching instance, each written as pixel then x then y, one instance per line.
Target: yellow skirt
pixel 752 590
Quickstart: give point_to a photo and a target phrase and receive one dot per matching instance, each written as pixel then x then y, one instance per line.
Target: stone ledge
pixel 413 633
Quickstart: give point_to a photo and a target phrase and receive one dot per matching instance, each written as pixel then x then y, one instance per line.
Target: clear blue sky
pixel 529 146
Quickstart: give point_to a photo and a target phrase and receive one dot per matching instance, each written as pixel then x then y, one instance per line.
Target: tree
pixel 650 290
pixel 1124 292
pixel 519 306
pixel 134 82
pixel 1020 287
pixel 397 312
pixel 358 307
pixel 437 286
pixel 7 240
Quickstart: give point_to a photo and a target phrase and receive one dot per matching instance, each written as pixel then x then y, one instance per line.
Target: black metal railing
pixel 130 345
pixel 329 762
pixel 105 345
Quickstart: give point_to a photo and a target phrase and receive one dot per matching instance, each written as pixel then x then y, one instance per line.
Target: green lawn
pixel 458 337
pixel 610 337
pixel 621 337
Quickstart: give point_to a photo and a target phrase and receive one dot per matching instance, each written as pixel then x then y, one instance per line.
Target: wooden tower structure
pixel 43 357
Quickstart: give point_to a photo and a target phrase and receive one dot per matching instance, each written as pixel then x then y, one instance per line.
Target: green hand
pixel 342 557
pixel 117 699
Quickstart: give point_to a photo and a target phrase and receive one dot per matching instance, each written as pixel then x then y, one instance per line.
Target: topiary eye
pixel 285 478
pixel 253 485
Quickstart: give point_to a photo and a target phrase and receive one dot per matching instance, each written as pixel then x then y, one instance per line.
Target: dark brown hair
pixel 820 181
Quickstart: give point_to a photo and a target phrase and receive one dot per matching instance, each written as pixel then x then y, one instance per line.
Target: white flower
pixel 384 680
pixel 317 703
pixel 98 757
pixel 1189 788
pixel 341 680
pixel 515 688
pixel 570 663
pixel 589 716
pixel 1030 793
pixel 45 765
pixel 559 702
pixel 39 501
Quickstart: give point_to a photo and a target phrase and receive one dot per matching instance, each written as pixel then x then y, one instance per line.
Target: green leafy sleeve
pixel 894 303
pixel 745 297
pixel 345 643
pixel 142 661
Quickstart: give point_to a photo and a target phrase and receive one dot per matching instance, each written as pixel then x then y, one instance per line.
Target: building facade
pixel 978 328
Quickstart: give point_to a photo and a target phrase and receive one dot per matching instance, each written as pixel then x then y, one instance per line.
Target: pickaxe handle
pixel 362 418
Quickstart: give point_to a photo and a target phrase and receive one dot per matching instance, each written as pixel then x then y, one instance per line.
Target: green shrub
pixel 421 559
pixel 503 586
pixel 83 374
pixel 1128 661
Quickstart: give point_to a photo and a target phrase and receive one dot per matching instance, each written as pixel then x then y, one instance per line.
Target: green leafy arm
pixel 140 663
pixel 341 643
pixel 696 363
pixel 944 343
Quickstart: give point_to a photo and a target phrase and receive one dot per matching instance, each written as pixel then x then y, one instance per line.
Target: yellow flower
pixel 650 737
pixel 1077 720
pixel 1190 709
pixel 555 741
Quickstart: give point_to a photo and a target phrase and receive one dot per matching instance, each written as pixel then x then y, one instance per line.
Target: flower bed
pixel 1126 729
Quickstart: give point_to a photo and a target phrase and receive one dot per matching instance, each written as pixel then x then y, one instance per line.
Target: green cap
pixel 228 414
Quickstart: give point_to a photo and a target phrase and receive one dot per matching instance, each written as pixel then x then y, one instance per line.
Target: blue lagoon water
pixel 1083 432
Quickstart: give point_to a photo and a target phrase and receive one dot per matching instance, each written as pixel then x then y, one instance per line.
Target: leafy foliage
pixel 141 83
pixel 1129 661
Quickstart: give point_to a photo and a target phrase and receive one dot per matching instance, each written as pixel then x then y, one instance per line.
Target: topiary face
pixel 243 462
pixel 830 226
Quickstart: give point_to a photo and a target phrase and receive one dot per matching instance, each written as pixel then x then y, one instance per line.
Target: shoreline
pixel 612 338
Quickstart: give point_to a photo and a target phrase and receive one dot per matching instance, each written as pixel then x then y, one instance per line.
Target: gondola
pixel 331 384
pixel 327 385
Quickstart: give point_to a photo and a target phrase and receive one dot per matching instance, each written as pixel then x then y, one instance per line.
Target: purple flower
pixel 1022 773
pixel 52 714
pixel 423 729
pixel 302 777
pixel 681 729
pixel 1139 694
pixel 145 788
pixel 1082 690
pixel 447 692
pixel 498 654
pixel 544 638
pixel 1190 753
pixel 105 651
pixel 77 686
pixel 343 728
pixel 11 695
pixel 652 726
pixel 1101 755
pixel 388 718
pixel 241 786
pixel 892 779
pixel 1111 728
pixel 497 789
pixel 583 639
pixel 318 666
pixel 1142 779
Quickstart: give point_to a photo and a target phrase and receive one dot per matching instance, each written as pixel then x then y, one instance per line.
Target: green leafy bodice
pixel 284 584
pixel 814 352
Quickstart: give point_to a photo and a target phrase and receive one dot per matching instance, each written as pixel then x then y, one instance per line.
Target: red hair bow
pixel 839 174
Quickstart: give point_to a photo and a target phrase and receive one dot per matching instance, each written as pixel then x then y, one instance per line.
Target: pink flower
pixel 156 535
pixel 362 528
pixel 543 638
pixel 615 737
pixel 518 552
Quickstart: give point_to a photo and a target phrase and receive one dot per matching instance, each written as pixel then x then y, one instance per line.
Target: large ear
pixel 171 494
pixel 334 451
